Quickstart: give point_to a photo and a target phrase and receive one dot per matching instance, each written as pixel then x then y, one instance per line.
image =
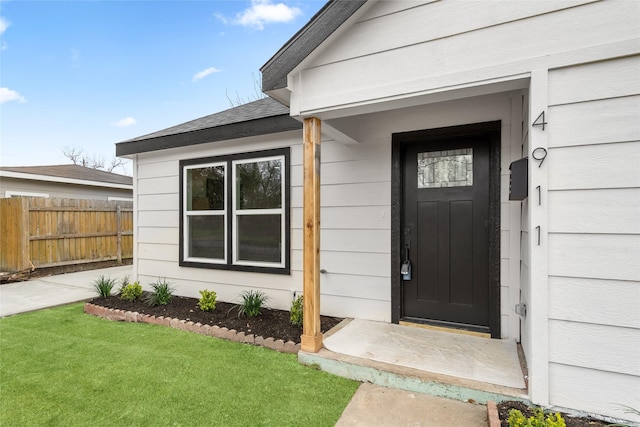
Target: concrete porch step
pixel 394 375
pixel 388 375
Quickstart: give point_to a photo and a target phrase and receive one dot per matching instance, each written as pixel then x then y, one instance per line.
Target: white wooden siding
pixel 606 392
pixel 596 166
pixel 600 121
pixel 600 256
pixel 157 225
pixel 585 83
pixel 580 344
pixel 594 236
pixel 378 59
pixel 595 301
pixel 380 29
pixel 601 211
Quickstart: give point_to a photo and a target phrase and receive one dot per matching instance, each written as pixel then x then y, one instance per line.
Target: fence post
pixel 119 232
pixel 14 244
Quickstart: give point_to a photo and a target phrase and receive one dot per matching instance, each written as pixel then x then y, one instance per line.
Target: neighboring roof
pixel 259 117
pixel 70 174
pixel 322 25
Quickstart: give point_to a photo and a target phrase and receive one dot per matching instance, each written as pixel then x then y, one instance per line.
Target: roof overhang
pixel 263 126
pixel 62 180
pixel 318 29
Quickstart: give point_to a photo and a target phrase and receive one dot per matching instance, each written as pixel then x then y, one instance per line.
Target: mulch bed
pixel 505 407
pixel 270 324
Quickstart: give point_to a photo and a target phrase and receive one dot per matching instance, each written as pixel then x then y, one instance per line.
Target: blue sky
pixel 88 74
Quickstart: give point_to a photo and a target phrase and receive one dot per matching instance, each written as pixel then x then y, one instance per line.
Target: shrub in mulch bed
pixel 570 421
pixel 270 323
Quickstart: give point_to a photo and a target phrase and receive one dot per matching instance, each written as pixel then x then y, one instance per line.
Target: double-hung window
pixel 235 212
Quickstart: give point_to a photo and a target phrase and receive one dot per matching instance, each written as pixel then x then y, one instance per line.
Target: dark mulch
pixel 271 323
pixel 505 407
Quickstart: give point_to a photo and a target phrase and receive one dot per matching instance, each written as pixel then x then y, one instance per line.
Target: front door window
pixel 448 168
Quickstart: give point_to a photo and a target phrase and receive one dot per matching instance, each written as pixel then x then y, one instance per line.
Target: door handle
pixel 405 269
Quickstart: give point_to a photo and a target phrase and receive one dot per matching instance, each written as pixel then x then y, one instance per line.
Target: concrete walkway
pixel 371 406
pixel 374 405
pixel 51 291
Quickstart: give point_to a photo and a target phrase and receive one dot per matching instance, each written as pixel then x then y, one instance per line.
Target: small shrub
pixel 252 303
pixel 131 292
pixel 103 286
pixel 161 295
pixel 123 282
pixel 516 419
pixel 295 315
pixel 207 300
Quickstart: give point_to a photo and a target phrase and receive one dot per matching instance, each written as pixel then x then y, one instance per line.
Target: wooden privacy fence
pixel 52 232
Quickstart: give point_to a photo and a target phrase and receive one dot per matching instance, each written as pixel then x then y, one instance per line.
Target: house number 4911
pixel 540 121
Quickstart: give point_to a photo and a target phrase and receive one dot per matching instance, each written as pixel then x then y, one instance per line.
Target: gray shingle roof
pixel 72 172
pixel 259 117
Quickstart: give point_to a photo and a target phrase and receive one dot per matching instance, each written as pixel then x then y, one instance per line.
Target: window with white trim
pixel 235 212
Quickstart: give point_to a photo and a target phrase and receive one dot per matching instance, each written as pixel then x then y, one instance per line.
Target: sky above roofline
pixel 88 74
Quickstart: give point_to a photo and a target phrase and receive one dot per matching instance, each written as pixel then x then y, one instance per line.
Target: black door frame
pixel 491 129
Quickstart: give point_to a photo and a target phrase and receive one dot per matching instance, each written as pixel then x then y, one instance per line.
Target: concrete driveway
pixel 51 291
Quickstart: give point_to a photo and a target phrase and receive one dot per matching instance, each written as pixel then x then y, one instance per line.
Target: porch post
pixel 311 340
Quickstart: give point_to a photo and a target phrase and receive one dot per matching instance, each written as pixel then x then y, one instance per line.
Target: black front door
pixel 445 231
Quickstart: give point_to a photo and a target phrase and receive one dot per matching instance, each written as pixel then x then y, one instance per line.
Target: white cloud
pixel 7 95
pixel 264 12
pixel 221 17
pixel 4 24
pixel 127 121
pixel 204 73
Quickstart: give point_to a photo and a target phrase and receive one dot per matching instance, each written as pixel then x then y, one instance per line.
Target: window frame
pixel 186 214
pixel 231 215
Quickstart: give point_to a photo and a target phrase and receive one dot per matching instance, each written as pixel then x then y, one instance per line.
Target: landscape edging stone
pixel 197 328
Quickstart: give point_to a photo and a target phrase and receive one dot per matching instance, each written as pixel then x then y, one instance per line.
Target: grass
pixel 63 367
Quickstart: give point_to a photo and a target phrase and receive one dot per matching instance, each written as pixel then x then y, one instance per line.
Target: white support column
pixel 537 311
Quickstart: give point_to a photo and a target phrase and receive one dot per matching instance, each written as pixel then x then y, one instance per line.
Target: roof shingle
pixel 72 172
pixel 259 117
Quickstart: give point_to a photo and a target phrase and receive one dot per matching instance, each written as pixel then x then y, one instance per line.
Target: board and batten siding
pixel 594 236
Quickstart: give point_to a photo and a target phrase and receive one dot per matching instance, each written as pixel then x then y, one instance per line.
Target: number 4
pixel 540 121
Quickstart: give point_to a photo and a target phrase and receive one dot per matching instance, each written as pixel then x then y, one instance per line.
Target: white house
pixel 420 109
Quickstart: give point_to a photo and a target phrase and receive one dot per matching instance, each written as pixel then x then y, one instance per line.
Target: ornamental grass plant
pixel 103 286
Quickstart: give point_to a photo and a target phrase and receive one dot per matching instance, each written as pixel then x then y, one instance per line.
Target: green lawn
pixel 61 367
